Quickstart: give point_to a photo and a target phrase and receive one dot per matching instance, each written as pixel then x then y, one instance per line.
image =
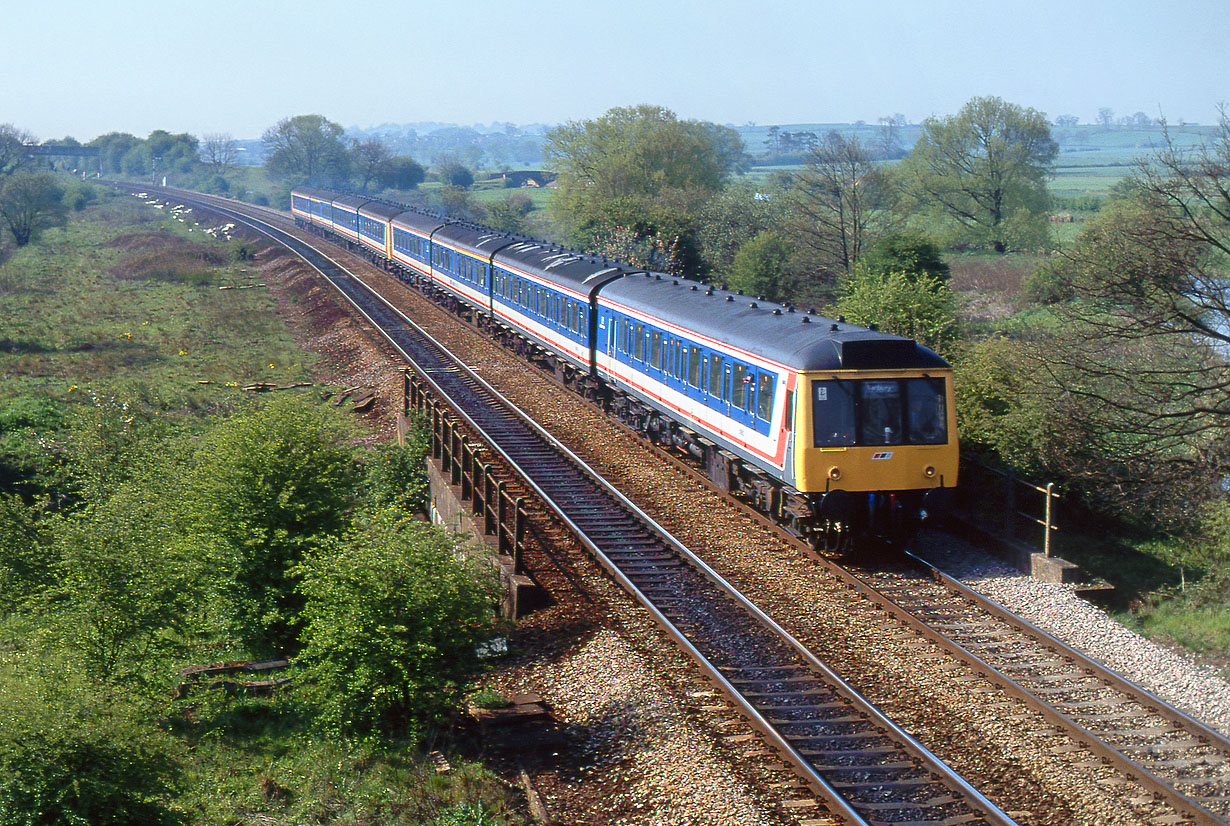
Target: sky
pixel 87 67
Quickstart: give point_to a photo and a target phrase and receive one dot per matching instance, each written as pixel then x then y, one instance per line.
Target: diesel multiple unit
pixel 840 432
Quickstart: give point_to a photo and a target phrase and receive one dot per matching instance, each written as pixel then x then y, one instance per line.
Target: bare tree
pixel 369 156
pixel 14 145
pixel 219 150
pixel 838 203
pixel 1145 343
pixel 1106 117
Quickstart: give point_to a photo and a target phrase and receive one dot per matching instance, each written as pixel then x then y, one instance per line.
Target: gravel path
pixel 1196 689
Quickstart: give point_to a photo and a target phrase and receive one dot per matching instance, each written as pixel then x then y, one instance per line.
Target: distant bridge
pixel 63 151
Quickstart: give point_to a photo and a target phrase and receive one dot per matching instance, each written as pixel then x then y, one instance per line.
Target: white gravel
pixel 1195 688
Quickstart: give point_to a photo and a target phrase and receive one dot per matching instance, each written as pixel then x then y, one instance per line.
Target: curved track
pixel 1171 755
pixel 864 767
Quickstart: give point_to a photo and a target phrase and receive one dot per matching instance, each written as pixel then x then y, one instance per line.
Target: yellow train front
pixel 876 449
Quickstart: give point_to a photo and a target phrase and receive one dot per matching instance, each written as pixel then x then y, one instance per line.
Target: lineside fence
pixel 1003 504
pixel 500 514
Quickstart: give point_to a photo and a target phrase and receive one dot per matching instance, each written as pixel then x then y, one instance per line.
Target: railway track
pixel 1174 758
pixel 862 766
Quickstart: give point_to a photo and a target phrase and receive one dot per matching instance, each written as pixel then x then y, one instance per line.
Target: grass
pixel 127 294
pixel 125 300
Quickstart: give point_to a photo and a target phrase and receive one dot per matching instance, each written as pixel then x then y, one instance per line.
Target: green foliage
pixel 729 220
pixel 26 558
pixel 72 755
pixel 761 267
pixel 905 252
pixel 396 475
pixel 128 577
pixel 509 215
pixel 31 202
pixel 400 173
pixel 455 174
pixel 920 307
pixel 984 171
pixel 392 620
pixel 269 482
pixel 635 176
pixel 307 149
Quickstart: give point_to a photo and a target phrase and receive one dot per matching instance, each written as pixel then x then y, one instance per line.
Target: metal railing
pixel 1007 505
pixel 501 514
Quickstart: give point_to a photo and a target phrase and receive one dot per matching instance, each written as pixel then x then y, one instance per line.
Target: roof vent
pixel 753 305
pixel 676 283
pixel 875 328
pixel 740 292
pixel 708 291
pixel 811 310
pixel 832 327
pixel 777 311
pixel 806 320
pixel 657 277
pixel 730 298
pixel 694 288
pixel 790 308
pixel 841 319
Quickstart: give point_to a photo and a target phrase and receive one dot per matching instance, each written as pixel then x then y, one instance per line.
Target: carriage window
pixel 694 366
pixel 655 357
pixel 715 376
pixel 832 405
pixel 764 398
pixel 739 386
pixel 580 318
pixel 640 342
pixel 927 411
pixel 675 371
pixel 880 406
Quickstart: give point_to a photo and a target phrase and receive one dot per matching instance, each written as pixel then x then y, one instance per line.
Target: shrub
pixel 392 621
pixel 920 307
pixel 70 756
pixel 396 476
pixel 269 482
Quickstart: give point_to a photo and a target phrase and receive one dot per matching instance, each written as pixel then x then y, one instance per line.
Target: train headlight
pixel 929 472
pixel 834 473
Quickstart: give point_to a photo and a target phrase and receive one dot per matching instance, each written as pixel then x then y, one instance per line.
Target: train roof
pixel 380 210
pixel 421 222
pixel 313 192
pixel 478 240
pixel 565 268
pixel 800 340
pixel 350 202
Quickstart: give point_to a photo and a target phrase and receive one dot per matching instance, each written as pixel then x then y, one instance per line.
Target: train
pixel 844 434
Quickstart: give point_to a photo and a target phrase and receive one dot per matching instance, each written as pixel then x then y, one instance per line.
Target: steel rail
pixel 797 761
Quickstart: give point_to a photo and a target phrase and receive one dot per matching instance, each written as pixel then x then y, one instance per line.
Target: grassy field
pixel 127 303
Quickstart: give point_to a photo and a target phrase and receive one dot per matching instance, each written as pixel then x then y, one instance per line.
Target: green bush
pixel 269 482
pixel 392 621
pixel 921 307
pixel 71 756
pixel 396 475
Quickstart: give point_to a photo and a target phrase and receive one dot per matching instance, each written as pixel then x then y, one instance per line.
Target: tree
pixel 1067 121
pixel 890 135
pixel 400 173
pixel 392 623
pixel 31 202
pixel 920 307
pixel 112 147
pixel 453 173
pixel 219 150
pixel 268 484
pixel 905 252
pixel 13 148
pixel 369 155
pixel 1106 117
pixel 307 149
pixel 1143 339
pixel 761 267
pixel 509 215
pixel 984 170
pixel 639 152
pixel 837 204
pixel 733 217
